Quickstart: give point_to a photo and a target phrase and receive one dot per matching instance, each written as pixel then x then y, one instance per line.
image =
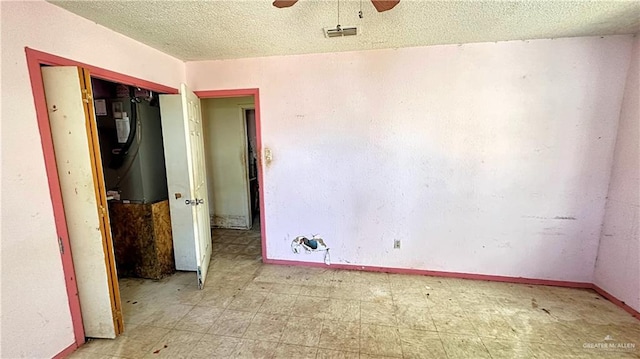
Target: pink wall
pixel 36 321
pixel 618 266
pixel 466 153
pixel 489 158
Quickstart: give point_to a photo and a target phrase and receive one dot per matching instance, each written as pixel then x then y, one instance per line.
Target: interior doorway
pixel 132 158
pixel 229 160
pixel 159 289
pixel 233 142
pixel 252 164
pixel 110 153
pixel 35 60
pixel 130 134
pixel 108 150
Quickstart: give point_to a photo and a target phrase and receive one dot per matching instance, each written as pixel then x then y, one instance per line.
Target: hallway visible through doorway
pixel 237 244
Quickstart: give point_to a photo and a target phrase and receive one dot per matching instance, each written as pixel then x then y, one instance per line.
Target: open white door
pixel 75 140
pixel 192 113
pixel 187 181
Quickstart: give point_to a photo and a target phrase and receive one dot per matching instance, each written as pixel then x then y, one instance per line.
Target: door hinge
pixel 60 245
pixel 86 96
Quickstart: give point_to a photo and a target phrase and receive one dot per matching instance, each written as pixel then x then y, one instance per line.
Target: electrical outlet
pixel 396 244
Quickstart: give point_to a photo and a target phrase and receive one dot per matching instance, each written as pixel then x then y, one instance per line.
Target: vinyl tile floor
pixel 252 310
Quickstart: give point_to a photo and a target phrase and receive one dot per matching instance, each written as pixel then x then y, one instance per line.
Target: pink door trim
pixel 35 59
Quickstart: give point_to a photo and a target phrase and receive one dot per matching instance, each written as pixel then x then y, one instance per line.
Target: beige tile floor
pixel 252 310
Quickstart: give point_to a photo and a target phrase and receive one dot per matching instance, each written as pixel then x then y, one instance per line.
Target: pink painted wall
pixel 489 158
pixel 466 153
pixel 35 316
pixel 618 266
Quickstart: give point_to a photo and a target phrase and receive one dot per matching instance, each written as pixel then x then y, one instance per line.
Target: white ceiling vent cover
pixel 340 31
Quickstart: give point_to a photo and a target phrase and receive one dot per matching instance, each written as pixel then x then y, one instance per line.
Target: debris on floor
pixel 158 351
pixel 248 301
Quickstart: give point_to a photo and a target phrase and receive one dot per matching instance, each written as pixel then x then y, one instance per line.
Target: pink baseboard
pixel 66 352
pixel 494 278
pixel 616 301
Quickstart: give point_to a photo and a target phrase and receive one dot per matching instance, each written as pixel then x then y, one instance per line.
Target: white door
pixel 75 140
pixel 192 113
pixel 186 179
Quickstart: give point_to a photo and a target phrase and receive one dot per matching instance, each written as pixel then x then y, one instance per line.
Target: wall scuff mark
pixel 315 244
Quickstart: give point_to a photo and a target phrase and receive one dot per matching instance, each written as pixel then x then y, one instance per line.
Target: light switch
pixel 267 155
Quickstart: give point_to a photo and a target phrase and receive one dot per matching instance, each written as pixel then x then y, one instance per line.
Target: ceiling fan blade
pixel 284 3
pixel 384 5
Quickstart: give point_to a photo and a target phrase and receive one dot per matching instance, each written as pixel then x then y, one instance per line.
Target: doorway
pixel 110 166
pixel 228 158
pixel 252 165
pixel 35 60
pixel 231 145
pixel 132 158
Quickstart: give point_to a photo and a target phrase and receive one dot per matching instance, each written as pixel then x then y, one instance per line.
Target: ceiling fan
pixel 380 5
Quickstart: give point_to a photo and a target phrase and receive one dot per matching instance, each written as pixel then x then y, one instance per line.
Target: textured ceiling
pixel 207 30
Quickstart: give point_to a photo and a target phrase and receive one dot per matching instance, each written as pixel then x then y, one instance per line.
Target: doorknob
pixel 193 202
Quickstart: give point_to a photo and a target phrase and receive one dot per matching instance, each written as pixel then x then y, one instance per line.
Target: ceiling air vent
pixel 340 31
